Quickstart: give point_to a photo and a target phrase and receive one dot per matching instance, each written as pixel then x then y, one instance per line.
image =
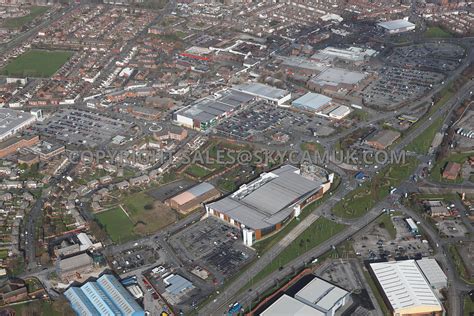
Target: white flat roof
pixel 322 294
pixel 396 24
pixel 335 76
pixel 261 90
pixel 288 306
pixel 405 286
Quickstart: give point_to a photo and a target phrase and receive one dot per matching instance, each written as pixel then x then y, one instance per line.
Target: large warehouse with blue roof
pixel 105 297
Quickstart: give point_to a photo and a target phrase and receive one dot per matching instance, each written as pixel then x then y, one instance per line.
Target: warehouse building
pixel 266 204
pixel 13 121
pixel 336 80
pixel 310 295
pixel 382 139
pixel 321 105
pixel 105 297
pixel 265 92
pixel 352 54
pixel 72 267
pixel 312 102
pixel 323 296
pixel 397 26
pixel 405 288
pixel 207 112
pixel 192 198
pixel 176 284
pixel 289 306
pixel 451 170
pixel 12 145
pixel 433 273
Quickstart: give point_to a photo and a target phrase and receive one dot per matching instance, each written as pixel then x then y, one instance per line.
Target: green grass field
pixel 468 306
pixel 42 308
pixel 14 23
pixel 36 63
pixel 146 216
pixel 437 32
pixel 3 253
pixel 362 199
pixel 197 171
pixel 321 230
pixel 117 224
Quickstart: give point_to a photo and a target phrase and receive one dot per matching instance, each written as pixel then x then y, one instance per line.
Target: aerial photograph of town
pixel 237 157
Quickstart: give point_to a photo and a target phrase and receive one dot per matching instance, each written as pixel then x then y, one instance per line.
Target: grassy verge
pixel 265 244
pixel 468 306
pixel 459 264
pixel 385 221
pixel 42 308
pixel 318 232
pixel 362 199
pixel 436 32
pixel 422 143
pixel 377 294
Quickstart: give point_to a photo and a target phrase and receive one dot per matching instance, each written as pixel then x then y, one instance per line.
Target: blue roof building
pixel 104 297
pixel 176 284
pixel 79 302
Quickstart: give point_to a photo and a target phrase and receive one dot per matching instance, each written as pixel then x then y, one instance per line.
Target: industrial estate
pixel 274 158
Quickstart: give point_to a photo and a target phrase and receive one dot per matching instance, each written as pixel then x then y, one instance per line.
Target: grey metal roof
pixel 201 189
pixel 432 272
pixel 10 119
pixel 336 76
pixel 75 262
pixel 209 108
pixel 267 202
pixel 321 294
pixel 235 98
pixel 261 90
pixel 313 101
pixel 288 306
pixel 177 284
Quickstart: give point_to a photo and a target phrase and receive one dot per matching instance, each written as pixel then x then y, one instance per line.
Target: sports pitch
pixel 36 63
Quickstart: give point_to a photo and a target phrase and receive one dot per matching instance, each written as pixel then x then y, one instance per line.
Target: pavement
pixel 236 290
pixel 230 294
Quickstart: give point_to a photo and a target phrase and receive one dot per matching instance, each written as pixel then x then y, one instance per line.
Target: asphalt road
pixel 456 286
pixel 33 216
pixel 230 295
pixel 20 39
